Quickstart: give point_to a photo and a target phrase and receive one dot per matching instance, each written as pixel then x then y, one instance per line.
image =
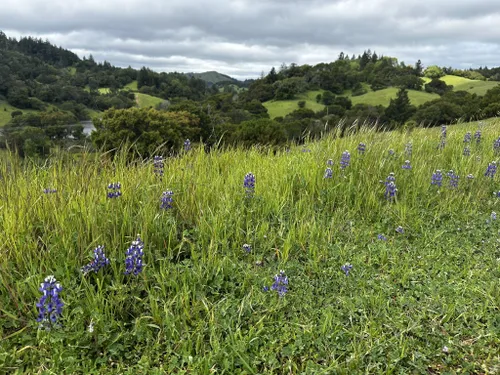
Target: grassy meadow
pixel 426 301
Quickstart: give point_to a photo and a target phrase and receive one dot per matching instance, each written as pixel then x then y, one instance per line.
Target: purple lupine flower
pixel 382 237
pixel 467 137
pixel 437 178
pixel 361 148
pixel 491 170
pixel 390 187
pixel 453 183
pixel 346 268
pixel 306 150
pixel 50 304
pixel 466 151
pixel 345 160
pixel 133 260
pixel 280 284
pixel 265 289
pixel 493 215
pixel 187 145
pixel 114 190
pixel 49 191
pixel 407 165
pixel 400 230
pixel 496 145
pixel 100 260
pixel 496 194
pixel 409 149
pixel 391 152
pixel 329 162
pixel 477 136
pixel 247 247
pixel 166 200
pixel 249 183
pixel 328 173
pixel 158 165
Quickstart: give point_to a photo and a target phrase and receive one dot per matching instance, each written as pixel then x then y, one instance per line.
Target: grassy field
pixel 425 301
pixel 132 86
pixel 5 112
pixel 278 108
pixel 469 85
pixel 146 101
pixel 383 97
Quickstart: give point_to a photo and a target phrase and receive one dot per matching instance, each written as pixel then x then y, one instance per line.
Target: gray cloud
pixel 243 37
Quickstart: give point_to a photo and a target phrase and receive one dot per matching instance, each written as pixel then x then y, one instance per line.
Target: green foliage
pixel 433 71
pixel 437 86
pixel 148 129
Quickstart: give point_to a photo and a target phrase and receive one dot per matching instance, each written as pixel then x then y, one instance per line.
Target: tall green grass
pixel 199 306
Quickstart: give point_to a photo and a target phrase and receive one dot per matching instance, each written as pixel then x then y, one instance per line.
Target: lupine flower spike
pixel 493 215
pixel 491 170
pixel 400 230
pixel 390 187
pixel 466 151
pixel 407 165
pixel 100 260
pixel 280 284
pixel 467 137
pixel 328 173
pixel 114 190
pixel 346 268
pixel 249 184
pixel 361 148
pixel 187 145
pixel 453 179
pixel 437 178
pixel 166 200
pixel 382 237
pixel 49 191
pixel 50 304
pixel 133 260
pixel 477 136
pixel 158 165
pixel 329 162
pixel 496 145
pixel 247 248
pixel 345 160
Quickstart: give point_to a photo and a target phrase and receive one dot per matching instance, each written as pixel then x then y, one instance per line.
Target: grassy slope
pixel 383 97
pixel 146 101
pixel 132 86
pixel 5 116
pixel 199 304
pixel 472 86
pixel 278 108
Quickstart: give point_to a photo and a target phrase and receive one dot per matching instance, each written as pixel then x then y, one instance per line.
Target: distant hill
pixel 213 77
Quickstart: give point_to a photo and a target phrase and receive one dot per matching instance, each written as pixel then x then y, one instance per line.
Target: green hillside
pixel 145 101
pixel 277 108
pixel 132 86
pixel 212 77
pixel 383 97
pixel 469 85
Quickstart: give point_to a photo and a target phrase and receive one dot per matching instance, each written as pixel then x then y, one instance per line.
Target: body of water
pixel 88 127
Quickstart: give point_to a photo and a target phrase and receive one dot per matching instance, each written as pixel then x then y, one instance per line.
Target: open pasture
pixel 422 295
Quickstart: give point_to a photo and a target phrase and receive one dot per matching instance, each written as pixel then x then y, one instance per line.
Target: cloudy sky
pixel 242 38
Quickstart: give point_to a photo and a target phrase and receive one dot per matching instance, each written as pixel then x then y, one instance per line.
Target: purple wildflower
pixel 247 247
pixel 390 187
pixel 391 152
pixel 166 200
pixel 280 284
pixel 346 268
pixel 467 137
pixel 187 145
pixel 477 136
pixel 466 151
pixel 345 160
pixel 493 215
pixel 400 230
pixel 496 145
pixel 114 190
pixel 158 165
pixel 437 178
pixel 328 173
pixel 491 170
pixel 361 148
pixel 329 162
pixel 49 191
pixel 133 260
pixel 407 165
pixel 382 237
pixel 249 183
pixel 50 304
pixel 100 260
pixel 453 183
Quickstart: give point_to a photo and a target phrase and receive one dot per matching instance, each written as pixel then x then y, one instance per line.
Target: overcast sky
pixel 242 38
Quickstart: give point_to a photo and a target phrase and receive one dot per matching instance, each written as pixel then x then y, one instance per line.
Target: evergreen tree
pixel 419 68
pixel 400 109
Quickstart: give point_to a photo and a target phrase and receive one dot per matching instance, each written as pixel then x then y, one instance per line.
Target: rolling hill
pixel 212 77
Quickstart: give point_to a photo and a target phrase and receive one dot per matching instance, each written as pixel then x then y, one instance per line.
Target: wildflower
pixel 409 149
pixel 249 183
pixel 345 160
pixel 166 200
pixel 247 247
pixel 496 194
pixel 445 349
pixel 477 136
pixel 437 178
pixel 470 177
pixel 391 152
pixel 400 230
pixel 491 170
pixel 346 268
pixel 467 137
pixel 382 237
pixel 280 284
pixel 100 260
pixel 114 190
pixel 187 145
pixel 158 165
pixel 453 179
pixel 91 326
pixel 407 165
pixel 496 145
pixel 49 191
pixel 493 215
pixel 50 304
pixel 306 150
pixel 329 162
pixel 265 289
pixel 466 151
pixel 390 187
pixel 361 148
pixel 328 173
pixel 133 260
